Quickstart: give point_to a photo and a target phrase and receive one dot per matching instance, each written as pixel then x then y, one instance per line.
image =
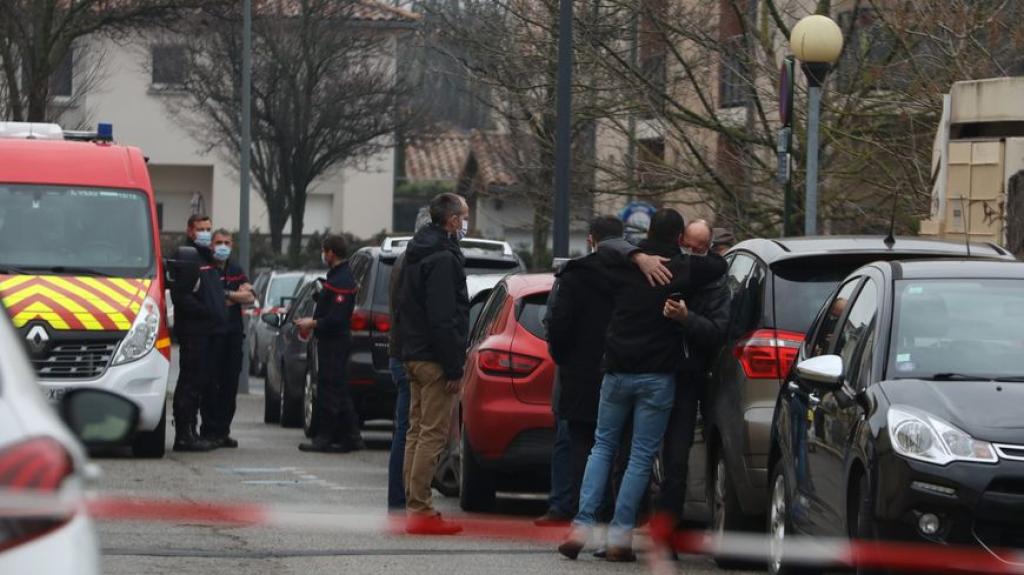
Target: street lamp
pixel 817 42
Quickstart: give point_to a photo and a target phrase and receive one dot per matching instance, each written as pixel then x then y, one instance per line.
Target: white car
pixel 33 438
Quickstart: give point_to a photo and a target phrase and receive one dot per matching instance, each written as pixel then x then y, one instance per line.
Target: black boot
pixel 186 439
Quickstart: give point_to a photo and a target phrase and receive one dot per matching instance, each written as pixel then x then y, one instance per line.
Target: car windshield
pixel 801 290
pixel 958 329
pixel 75 231
pixel 281 287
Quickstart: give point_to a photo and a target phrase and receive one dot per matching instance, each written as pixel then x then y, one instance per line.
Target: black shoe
pixel 226 441
pixel 601 552
pixel 324 447
pixel 188 441
pixel 552 519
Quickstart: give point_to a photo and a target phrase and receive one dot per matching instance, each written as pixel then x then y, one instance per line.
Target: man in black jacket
pixel 704 317
pixel 579 309
pixel 200 314
pixel 432 318
pixel 338 427
pixel 642 355
pixel 218 407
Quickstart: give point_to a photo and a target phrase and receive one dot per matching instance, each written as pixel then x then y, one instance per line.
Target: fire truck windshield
pixel 75 231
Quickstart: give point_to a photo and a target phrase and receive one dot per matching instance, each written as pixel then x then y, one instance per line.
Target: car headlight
pixel 924 437
pixel 142 335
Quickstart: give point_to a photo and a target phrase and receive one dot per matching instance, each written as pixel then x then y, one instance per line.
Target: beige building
pixel 130 81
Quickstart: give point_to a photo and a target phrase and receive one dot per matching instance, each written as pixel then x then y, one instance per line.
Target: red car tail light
pixel 382 322
pixel 38 465
pixel 768 353
pixel 360 320
pixel 494 362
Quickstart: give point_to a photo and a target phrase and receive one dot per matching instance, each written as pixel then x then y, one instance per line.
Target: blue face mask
pixel 222 252
pixel 204 238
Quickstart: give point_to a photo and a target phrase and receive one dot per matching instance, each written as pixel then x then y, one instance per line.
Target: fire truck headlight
pixel 142 335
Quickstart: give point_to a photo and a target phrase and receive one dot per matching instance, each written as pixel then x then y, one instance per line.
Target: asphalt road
pixel 268 468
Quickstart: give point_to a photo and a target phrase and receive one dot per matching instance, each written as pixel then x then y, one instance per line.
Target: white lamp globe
pixel 816 39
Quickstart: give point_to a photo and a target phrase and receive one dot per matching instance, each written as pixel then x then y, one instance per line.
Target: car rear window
pixel 483 266
pixel 382 284
pixel 531 310
pixel 282 287
pixel 802 288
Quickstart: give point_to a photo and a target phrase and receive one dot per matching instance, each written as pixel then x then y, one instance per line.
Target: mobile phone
pixel 675 296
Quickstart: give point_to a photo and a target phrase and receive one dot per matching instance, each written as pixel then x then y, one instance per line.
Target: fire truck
pixel 81 276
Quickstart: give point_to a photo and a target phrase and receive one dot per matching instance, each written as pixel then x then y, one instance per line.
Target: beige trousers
pixel 430 409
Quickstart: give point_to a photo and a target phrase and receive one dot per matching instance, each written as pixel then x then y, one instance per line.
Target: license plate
pixel 56 393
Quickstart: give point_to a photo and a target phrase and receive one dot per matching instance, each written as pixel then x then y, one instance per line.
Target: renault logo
pixel 37 339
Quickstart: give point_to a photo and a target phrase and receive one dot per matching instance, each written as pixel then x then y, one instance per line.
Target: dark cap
pixel 722 237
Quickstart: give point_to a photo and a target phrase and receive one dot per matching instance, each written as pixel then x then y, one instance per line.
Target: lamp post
pixel 817 42
pixel 563 132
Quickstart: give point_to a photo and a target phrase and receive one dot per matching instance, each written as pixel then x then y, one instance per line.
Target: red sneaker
pixel 431 525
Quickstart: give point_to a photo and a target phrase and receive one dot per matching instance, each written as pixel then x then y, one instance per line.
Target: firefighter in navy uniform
pixel 218 406
pixel 338 423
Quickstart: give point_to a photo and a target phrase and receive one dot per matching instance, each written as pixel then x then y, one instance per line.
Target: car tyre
pixel 476 486
pixel 779 524
pixel 861 525
pixel 291 406
pixel 309 399
pixel 271 404
pixel 152 444
pixel 726 514
pixel 446 480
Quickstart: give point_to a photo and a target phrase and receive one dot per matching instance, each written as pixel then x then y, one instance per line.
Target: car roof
pixel 956 269
pixel 69 163
pixel 773 250
pixel 468 252
pixel 521 284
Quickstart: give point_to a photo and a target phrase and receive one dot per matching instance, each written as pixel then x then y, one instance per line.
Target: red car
pixel 506 429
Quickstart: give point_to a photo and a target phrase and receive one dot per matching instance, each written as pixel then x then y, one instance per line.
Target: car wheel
pixel 309 419
pixel 446 480
pixel 726 515
pixel 779 526
pixel 862 527
pixel 152 444
pixel 291 406
pixel 271 404
pixel 476 486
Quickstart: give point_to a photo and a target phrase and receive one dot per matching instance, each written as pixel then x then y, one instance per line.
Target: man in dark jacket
pixel 200 315
pixel 433 322
pixel 338 427
pixel 704 317
pixel 641 359
pixel 218 407
pixel 579 309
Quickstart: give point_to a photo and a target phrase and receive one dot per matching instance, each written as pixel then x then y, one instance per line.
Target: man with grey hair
pixel 432 315
pixel 396 484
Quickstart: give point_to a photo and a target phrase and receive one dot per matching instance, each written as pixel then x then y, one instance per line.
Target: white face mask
pixel 204 238
pixel 323 258
pixel 465 229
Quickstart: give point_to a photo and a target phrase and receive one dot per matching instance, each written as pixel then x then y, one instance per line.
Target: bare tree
pixel 38 39
pixel 720 104
pixel 324 94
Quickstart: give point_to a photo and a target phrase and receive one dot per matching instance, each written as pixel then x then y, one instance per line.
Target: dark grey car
pixel 272 290
pixel 777 288
pixel 288 356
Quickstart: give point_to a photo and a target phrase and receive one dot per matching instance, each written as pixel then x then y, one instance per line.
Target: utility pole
pixel 243 164
pixel 563 138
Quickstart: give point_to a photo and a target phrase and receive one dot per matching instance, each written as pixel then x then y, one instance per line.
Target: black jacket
pixel 334 304
pixel 199 308
pixel 433 307
pixel 705 325
pixel 394 288
pixel 640 338
pixel 232 277
pixel 579 310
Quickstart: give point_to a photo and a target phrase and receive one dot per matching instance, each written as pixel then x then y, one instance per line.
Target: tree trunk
pixel 298 215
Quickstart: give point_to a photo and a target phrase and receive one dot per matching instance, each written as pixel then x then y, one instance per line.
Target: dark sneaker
pixel 192 443
pixel 430 525
pixel 573 544
pixel 227 441
pixel 552 519
pixel 323 447
pixel 620 554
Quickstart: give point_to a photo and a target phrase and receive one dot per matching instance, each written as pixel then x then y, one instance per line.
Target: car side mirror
pixel 287 302
pixel 824 371
pixel 98 417
pixel 272 319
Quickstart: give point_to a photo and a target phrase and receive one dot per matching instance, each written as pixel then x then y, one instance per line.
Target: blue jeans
pixel 396 487
pixel 562 499
pixel 648 397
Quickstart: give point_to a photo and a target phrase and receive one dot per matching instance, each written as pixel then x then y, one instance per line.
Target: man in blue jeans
pixel 642 354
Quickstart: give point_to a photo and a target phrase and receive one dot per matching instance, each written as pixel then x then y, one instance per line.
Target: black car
pixel 777 287
pixel 288 357
pixel 902 418
pixel 372 389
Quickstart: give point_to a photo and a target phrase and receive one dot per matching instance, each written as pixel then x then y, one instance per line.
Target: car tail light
pixel 382 322
pixel 38 465
pixel 360 320
pixel 494 362
pixel 768 353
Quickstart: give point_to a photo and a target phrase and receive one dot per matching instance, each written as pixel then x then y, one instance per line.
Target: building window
pixel 169 65
pixel 61 82
pixel 650 165
pixel 732 74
